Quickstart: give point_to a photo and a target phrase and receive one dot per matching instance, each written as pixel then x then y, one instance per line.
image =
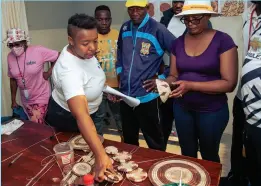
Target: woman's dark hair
pixel 82 21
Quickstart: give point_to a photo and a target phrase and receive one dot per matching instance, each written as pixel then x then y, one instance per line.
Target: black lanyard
pixel 22 75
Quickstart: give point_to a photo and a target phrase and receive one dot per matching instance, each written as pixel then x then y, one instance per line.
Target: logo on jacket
pixel 145 48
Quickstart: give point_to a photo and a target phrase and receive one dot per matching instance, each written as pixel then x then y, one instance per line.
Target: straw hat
pixel 139 3
pixel 16 35
pixel 197 7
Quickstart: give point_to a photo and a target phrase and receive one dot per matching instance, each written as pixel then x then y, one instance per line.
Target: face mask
pixel 18 51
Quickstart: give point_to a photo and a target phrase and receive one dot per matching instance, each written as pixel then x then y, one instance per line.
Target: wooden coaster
pixel 81 169
pixel 111 150
pixel 127 166
pixel 137 175
pixel 122 157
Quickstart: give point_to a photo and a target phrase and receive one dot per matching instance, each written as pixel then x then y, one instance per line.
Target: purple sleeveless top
pixel 202 68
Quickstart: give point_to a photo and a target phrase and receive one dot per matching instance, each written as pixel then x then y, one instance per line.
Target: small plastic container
pixel 64 154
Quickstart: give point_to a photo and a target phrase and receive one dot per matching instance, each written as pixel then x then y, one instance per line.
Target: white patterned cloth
pixel 12 126
pixel 250 84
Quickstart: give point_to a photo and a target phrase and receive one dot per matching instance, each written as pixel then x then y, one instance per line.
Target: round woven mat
pixel 169 171
pixel 79 143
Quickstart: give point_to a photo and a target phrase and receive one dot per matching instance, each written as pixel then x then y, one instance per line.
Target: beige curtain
pixel 13 15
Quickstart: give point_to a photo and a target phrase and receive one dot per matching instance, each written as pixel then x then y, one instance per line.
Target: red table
pixel 31 138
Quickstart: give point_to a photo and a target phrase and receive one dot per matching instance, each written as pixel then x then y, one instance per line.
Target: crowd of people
pixel 198 62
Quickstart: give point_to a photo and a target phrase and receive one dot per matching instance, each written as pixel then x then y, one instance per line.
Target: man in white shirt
pixel 247 104
pixel 173 23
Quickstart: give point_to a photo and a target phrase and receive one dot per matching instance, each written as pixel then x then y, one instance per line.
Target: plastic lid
pixel 88 179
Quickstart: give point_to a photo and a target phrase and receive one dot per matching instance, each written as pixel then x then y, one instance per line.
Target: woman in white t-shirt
pixel 78 83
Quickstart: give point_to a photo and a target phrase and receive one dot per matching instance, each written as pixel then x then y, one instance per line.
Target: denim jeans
pixel 200 129
pixel 62 120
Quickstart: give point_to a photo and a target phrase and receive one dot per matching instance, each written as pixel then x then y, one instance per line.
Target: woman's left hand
pixel 183 88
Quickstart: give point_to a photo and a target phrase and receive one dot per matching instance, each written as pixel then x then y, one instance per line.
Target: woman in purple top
pixel 204 67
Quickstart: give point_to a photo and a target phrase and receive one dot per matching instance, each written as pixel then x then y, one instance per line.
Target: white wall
pixel 51 38
pixel 49 29
pixel 47 20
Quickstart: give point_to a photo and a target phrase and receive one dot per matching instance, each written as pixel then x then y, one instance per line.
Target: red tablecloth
pixel 30 137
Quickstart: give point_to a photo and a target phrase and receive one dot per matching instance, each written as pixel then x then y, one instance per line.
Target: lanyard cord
pixel 22 75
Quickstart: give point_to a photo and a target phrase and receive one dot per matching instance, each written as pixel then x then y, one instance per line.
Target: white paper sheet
pixel 12 126
pixel 132 102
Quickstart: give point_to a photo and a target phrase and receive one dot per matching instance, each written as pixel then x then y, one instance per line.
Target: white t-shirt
pixel 251 81
pixel 73 76
pixel 176 27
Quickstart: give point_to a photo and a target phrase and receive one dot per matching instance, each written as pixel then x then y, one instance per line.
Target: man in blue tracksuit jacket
pixel 141 45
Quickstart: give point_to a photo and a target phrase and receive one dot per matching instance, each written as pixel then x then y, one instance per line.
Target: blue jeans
pixel 200 130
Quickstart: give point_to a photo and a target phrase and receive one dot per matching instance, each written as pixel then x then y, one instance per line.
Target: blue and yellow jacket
pixel 139 55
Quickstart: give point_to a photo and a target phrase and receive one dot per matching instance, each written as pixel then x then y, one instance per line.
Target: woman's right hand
pixel 101 164
pixel 78 106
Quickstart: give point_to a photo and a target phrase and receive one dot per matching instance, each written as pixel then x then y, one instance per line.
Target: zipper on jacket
pixel 133 52
pixel 134 46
